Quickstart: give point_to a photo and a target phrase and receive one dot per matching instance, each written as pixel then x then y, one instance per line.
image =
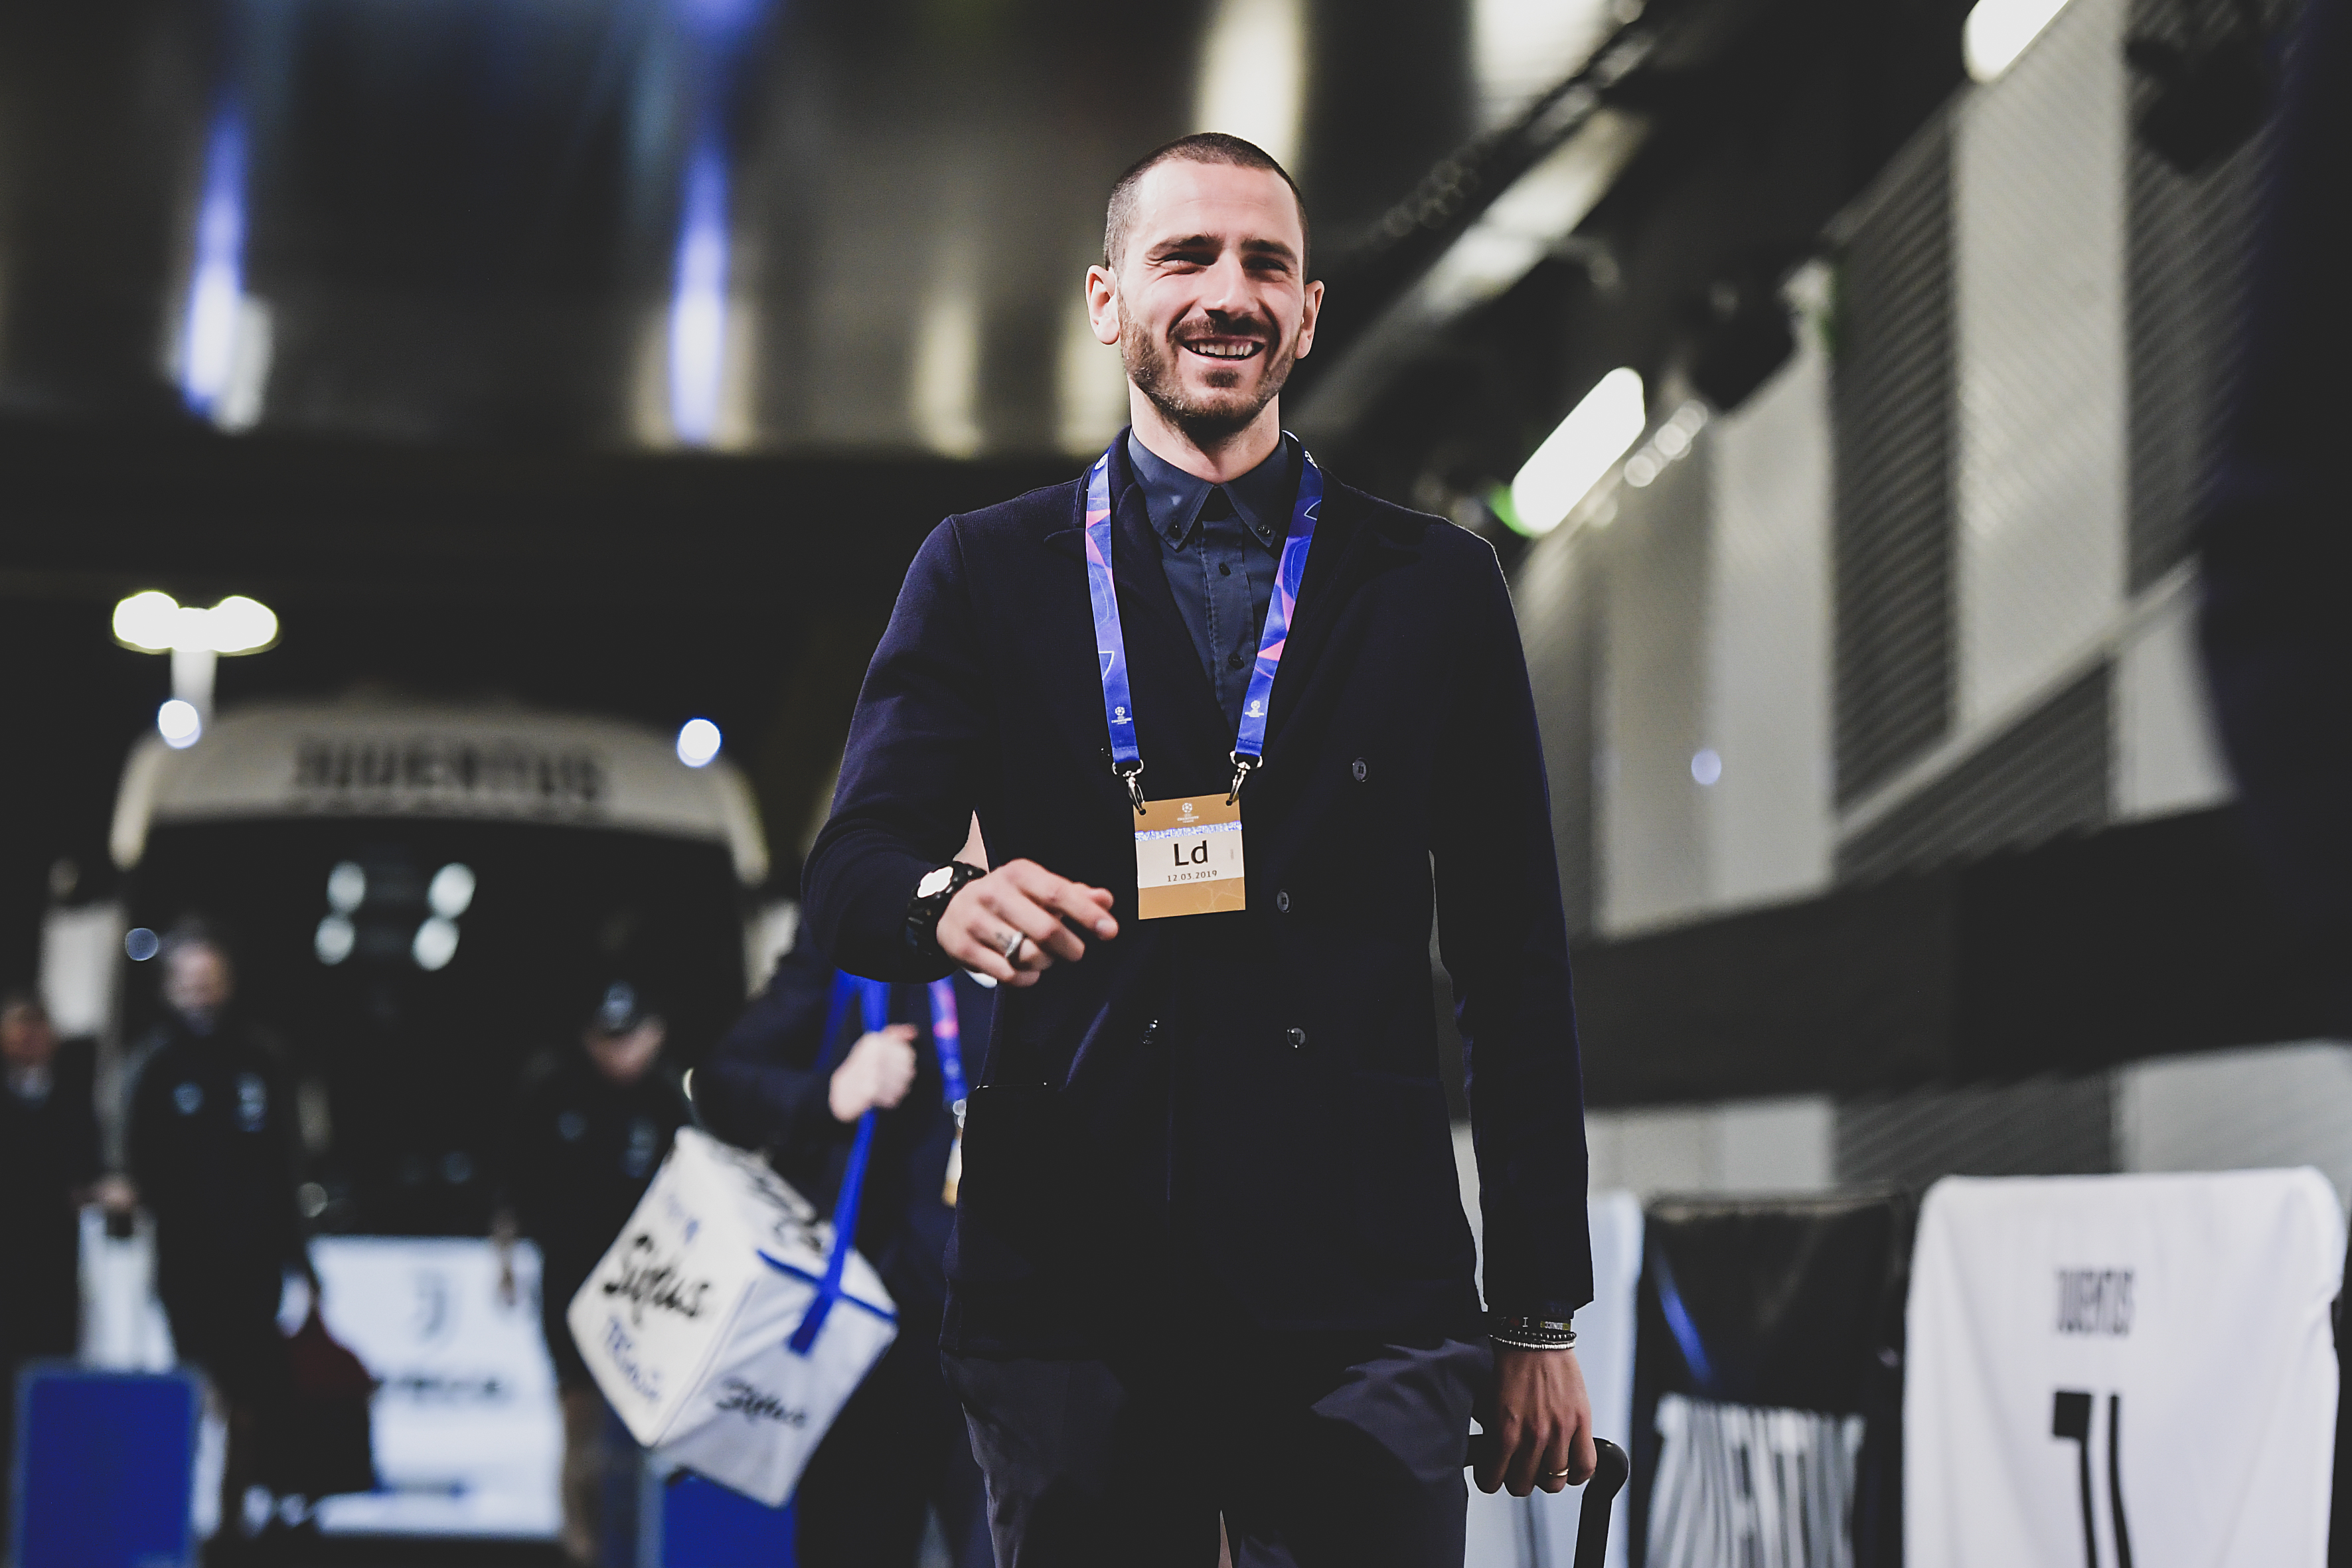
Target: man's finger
pixel 1525 1453
pixel 1488 1472
pixel 1556 1471
pixel 1017 907
pixel 1583 1458
pixel 977 956
pixel 1088 907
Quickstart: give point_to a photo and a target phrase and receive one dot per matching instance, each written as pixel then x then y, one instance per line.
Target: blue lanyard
pixel 1110 643
pixel 946 1039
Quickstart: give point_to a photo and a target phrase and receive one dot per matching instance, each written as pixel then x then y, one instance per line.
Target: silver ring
pixel 1012 947
pixel 1557 1475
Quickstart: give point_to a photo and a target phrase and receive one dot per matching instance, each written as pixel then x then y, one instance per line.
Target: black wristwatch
pixel 933 895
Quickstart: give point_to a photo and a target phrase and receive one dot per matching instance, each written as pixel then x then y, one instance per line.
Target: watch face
pixel 935 882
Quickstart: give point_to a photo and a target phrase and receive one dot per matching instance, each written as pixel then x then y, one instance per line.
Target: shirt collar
pixel 1262 497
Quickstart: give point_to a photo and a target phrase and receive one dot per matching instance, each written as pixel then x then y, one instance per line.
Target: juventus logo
pixel 2070 1416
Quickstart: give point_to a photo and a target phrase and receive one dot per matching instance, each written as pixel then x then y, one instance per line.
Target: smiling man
pixel 1232 730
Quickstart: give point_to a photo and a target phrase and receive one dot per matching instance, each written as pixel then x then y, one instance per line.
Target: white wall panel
pixel 2168 757
pixel 2245 1110
pixel 1770 826
pixel 1653 679
pixel 2039 268
pixel 1733 1146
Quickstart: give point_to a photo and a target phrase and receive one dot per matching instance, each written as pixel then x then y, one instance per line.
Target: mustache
pixel 1193 331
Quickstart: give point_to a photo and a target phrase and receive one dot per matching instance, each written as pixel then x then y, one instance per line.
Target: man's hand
pixel 1022 897
pixel 1542 1425
pixel 878 1071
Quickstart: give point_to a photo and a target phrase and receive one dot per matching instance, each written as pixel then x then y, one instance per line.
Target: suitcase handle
pixel 1609 1475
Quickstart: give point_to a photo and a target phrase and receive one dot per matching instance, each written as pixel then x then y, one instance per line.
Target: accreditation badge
pixel 1188 858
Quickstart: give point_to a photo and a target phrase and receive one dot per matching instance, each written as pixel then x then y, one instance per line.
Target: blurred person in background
pixel 1211 1258
pixel 591 1126
pixel 214 1152
pixel 779 1084
pixel 49 1166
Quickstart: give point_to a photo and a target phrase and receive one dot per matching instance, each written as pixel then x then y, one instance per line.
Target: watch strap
pixel 924 909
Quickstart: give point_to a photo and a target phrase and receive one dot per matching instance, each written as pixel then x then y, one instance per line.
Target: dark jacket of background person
pixel 1257 1091
pixel 214 1146
pixel 766 1087
pixel 899 1447
pixel 2277 547
pixel 581 1153
pixel 2277 536
pixel 49 1154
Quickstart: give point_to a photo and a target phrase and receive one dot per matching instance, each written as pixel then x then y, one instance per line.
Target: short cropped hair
pixel 1202 147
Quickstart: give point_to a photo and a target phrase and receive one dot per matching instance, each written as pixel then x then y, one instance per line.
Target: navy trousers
pixel 1318 1451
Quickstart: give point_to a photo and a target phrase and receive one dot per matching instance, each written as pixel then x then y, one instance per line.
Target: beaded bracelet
pixel 1530 1333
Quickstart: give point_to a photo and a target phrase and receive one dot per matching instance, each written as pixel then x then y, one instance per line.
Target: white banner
pixel 468 1438
pixel 2108 1370
pixel 690 1322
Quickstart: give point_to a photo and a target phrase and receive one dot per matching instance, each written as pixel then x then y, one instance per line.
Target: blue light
pixel 697 308
pixel 721 21
pixel 217 285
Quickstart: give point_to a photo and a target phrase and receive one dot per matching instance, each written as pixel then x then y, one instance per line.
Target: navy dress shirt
pixel 1223 543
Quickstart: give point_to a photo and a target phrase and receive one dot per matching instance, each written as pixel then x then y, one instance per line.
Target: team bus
pixel 420 898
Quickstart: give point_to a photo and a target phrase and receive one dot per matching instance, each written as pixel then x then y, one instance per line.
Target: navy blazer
pixel 1251 1096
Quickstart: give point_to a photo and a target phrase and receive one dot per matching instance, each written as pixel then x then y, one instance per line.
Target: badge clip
pixel 1132 775
pixel 1244 766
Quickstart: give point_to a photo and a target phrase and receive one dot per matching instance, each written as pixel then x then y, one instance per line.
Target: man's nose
pixel 1224 289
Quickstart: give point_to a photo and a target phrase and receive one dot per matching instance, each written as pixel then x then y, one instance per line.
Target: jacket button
pixel 1282 902
pixel 1296 1037
pixel 1361 771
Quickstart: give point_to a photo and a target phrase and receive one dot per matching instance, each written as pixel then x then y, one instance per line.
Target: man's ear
pixel 1102 305
pixel 1306 319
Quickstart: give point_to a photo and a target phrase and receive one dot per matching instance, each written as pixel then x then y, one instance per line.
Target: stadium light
pixel 179 723
pixel 697 743
pixel 1576 457
pixel 1997 31
pixel 195 637
pixel 154 622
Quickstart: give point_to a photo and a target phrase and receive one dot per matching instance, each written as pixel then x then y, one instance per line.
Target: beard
pixel 1212 417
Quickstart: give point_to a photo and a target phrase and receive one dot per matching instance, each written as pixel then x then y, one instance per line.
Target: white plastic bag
pixel 715 1327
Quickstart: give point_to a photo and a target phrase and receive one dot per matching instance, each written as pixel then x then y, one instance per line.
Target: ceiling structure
pixel 616 353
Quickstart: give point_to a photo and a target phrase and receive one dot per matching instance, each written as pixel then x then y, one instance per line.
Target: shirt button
pixel 1361 771
pixel 1234 660
pixel 1282 902
pixel 1223 570
pixel 1296 1037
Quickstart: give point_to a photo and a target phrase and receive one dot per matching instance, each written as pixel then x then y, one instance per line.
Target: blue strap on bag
pixel 874 997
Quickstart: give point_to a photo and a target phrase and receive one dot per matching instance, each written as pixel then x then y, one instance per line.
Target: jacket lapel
pixel 1349 549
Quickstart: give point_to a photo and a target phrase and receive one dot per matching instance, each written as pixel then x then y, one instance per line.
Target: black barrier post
pixel 1608 1472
